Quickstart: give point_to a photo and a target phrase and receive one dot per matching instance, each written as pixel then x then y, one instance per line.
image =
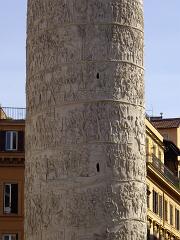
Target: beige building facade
pixel 170 130
pixel 163 189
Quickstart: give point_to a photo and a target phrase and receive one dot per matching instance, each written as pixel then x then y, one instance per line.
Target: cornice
pixel 10 161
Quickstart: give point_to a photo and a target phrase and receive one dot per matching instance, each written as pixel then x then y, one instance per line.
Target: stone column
pixel 85 134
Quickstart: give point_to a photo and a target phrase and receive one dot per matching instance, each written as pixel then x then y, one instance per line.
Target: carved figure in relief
pixel 133 89
pixel 80 9
pixel 85 135
pixel 98 10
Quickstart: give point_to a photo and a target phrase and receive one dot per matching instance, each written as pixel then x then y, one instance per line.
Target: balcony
pixel 166 172
pixel 12 113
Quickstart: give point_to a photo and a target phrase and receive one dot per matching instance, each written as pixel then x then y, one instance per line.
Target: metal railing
pixel 167 173
pixel 12 113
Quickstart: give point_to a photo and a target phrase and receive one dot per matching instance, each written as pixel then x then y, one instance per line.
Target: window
pixel 159 155
pixel 97 167
pixel 10 237
pixel 177 219
pixel 166 136
pixel 148 196
pixel 171 214
pixel 154 150
pixel 160 206
pixel 11 198
pixel 148 234
pixel 155 202
pixel 147 145
pixel 11 140
pixel 166 210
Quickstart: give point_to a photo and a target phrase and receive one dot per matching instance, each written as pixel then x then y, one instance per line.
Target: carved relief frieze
pixel 101 122
pixel 60 12
pixel 75 86
pixel 74 44
pixel 85 133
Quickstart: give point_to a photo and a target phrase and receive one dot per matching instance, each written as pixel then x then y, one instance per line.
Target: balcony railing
pixel 166 172
pixel 12 113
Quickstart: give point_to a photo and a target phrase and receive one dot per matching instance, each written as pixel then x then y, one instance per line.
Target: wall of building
pixel 178 144
pixel 154 143
pixel 2 114
pixel 11 223
pixel 171 134
pixel 161 192
pixel 12 179
pixel 159 221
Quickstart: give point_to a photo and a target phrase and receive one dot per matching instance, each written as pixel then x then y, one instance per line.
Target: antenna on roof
pixel 150 112
pixel 161 115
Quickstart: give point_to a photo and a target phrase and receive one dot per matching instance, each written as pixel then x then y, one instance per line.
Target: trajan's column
pixel 85 153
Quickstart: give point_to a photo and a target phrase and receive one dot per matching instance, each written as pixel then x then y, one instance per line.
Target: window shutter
pixel 20 141
pixel 14 198
pixel 156 202
pixel 160 206
pixel 177 219
pixel 1 198
pixel 148 193
pixel 171 214
pixel 166 210
pixel 2 140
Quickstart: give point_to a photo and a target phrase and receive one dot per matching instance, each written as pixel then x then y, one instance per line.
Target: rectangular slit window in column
pixel 11 198
pixel 97 167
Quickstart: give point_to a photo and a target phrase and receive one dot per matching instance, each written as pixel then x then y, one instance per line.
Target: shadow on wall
pixel 151 237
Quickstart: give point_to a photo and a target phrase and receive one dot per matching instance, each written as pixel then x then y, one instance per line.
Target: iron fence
pixel 12 113
pixel 167 173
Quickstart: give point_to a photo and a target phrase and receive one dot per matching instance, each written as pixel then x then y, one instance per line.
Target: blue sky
pixel 162 49
pixel 12 52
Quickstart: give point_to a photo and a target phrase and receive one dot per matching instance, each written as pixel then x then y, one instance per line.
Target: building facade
pixel 11 177
pixel 163 189
pixel 170 130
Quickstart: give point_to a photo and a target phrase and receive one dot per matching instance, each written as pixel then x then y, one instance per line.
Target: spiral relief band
pixel 85 133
